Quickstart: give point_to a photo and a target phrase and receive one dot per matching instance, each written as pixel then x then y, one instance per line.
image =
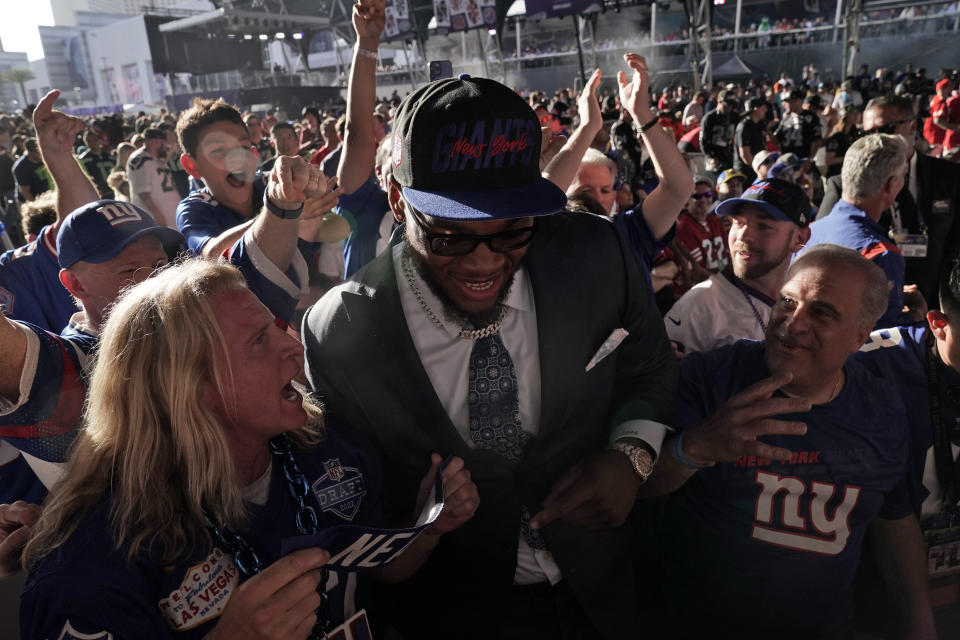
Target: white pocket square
pixel 612 342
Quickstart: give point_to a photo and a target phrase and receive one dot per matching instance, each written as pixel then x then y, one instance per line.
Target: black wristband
pixel 649 125
pixel 283 214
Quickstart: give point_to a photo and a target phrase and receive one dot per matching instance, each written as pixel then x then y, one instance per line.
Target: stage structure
pixel 233 37
pixel 700 27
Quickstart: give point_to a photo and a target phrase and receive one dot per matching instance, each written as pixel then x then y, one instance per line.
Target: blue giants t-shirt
pixel 200 216
pixel 773 547
pixel 899 354
pixel 30 287
pixel 90 585
pixel 364 210
pixel 646 248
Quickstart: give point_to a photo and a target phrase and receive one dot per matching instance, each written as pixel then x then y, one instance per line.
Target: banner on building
pixel 539 9
pixel 399 26
pixel 463 15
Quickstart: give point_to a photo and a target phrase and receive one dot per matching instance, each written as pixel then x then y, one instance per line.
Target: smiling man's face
pixel 816 323
pixel 474 283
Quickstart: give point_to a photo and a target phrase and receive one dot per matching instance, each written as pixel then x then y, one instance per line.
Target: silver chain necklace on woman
pixel 476 334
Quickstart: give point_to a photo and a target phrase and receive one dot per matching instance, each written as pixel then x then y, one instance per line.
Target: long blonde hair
pixel 151 440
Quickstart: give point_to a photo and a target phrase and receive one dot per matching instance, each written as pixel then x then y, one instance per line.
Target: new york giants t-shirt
pixel 772 547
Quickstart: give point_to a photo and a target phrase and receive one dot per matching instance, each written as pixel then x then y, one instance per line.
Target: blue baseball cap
pixel 469 149
pixel 785 162
pixel 780 199
pixel 99 231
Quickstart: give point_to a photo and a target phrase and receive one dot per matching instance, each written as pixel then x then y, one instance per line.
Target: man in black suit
pixel 927 204
pixel 524 342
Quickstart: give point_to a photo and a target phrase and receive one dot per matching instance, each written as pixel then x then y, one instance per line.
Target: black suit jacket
pixel 363 363
pixel 938 197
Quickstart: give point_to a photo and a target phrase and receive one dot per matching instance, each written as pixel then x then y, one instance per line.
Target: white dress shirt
pixel 446 357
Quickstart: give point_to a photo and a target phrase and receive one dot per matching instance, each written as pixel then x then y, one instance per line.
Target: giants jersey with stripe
pixel 776 544
pixel 200 216
pixel 850 227
pixel 899 354
pixel 88 588
pixel 30 288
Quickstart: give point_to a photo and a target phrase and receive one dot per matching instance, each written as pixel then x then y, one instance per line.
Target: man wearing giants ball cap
pixel 767 225
pixel 521 339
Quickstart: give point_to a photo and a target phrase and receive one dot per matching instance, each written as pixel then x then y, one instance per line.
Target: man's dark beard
pixel 752 272
pixel 452 313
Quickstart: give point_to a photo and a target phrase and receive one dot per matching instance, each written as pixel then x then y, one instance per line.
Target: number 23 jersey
pixel 782 540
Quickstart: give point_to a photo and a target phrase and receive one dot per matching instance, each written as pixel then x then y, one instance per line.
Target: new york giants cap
pixel 99 231
pixel 469 149
pixel 780 199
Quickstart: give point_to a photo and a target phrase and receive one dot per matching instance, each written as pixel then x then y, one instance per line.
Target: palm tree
pixel 18 76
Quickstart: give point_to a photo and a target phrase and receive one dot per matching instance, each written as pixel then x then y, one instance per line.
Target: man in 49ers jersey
pixel 788 450
pixel 767 225
pixel 701 232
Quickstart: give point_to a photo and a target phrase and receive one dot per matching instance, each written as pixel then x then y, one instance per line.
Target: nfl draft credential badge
pixel 340 490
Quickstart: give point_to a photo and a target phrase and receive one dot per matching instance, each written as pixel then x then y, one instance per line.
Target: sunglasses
pixel 701 196
pixel 461 244
pixel 888 128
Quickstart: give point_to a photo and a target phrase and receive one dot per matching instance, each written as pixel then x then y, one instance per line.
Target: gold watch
pixel 640 458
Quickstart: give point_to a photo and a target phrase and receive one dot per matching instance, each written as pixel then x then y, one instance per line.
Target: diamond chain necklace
pixel 476 334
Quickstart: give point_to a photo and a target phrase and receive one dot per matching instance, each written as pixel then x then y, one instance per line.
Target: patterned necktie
pixel 493 400
pixel 494 408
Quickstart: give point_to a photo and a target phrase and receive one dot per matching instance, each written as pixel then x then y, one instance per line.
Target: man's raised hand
pixel 635 95
pixel 293 180
pixel 587 104
pixel 732 431
pixel 369 17
pixel 56 131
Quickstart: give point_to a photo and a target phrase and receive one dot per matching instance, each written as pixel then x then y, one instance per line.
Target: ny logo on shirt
pixel 119 212
pixel 831 533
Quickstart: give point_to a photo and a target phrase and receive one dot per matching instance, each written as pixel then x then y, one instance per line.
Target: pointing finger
pixel 45 107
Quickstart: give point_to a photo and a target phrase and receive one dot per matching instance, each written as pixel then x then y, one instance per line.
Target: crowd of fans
pixel 685 361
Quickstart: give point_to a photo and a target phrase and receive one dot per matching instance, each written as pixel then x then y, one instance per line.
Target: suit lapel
pixel 383 320
pixel 549 280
